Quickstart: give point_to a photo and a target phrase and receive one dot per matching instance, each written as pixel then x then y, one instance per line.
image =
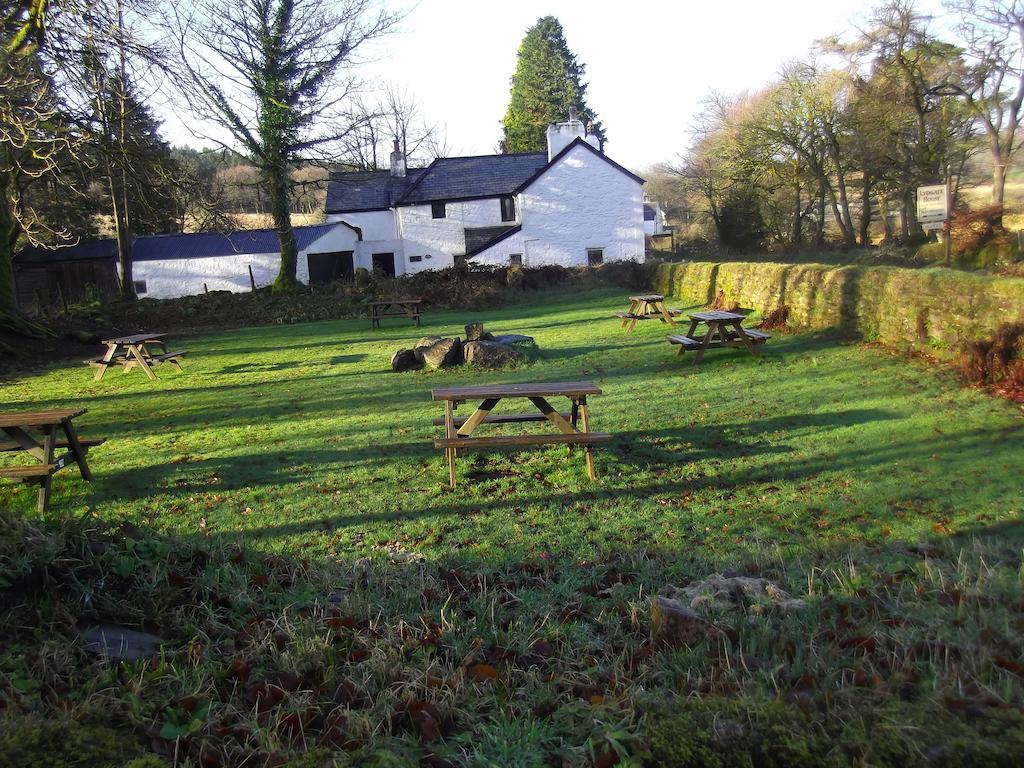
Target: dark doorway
pixel 384 262
pixel 327 267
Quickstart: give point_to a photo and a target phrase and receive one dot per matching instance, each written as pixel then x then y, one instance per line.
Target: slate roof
pixel 481 238
pixel 192 245
pixel 463 178
pixel 367 190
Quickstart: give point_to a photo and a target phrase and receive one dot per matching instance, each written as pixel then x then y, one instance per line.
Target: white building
pixel 571 205
pixel 654 219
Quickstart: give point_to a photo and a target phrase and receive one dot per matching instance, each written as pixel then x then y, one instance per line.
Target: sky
pixel 648 64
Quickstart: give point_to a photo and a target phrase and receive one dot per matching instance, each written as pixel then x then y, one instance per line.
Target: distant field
pixel 244 221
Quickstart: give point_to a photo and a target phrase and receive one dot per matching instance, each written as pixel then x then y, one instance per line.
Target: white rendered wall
pixel 582 202
pixel 380 235
pixel 498 254
pixel 170 278
pixel 442 239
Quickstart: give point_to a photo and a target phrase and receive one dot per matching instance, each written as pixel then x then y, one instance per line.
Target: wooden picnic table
pixel 36 433
pixel 133 352
pixel 647 307
pixel 573 426
pixel 394 308
pixel 724 329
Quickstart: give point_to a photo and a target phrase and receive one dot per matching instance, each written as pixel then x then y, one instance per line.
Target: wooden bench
pixel 28 473
pixel 573 427
pixel 85 442
pixel 394 308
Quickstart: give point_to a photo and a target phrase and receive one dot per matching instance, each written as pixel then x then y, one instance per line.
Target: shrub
pixel 32 743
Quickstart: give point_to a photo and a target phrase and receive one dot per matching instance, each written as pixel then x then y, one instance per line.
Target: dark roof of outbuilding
pixel 462 178
pixel 87 250
pixel 190 245
pixel 367 190
pixel 481 238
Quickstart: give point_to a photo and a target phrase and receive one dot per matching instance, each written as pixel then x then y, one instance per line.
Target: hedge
pixel 933 310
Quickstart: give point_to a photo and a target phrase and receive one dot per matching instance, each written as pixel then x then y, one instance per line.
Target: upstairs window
pixel 595 256
pixel 508 208
pixel 515 260
pixel 437 210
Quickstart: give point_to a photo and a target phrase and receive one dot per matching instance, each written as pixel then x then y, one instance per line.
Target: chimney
pixel 397 162
pixel 592 138
pixel 561 135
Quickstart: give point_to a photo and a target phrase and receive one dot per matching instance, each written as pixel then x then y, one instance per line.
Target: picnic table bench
pixel 647 307
pixel 573 426
pixel 133 352
pixel 724 329
pixel 394 308
pixel 36 433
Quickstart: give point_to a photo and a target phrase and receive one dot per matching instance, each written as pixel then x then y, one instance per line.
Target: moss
pixel 875 303
pixel 27 743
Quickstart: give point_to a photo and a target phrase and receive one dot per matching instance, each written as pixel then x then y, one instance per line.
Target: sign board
pixel 931 204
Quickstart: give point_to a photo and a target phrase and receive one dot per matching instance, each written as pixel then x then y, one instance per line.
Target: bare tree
pixel 992 83
pixel 276 75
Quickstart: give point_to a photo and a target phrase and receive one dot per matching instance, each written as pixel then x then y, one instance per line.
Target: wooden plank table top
pixel 648 297
pixel 38 418
pixel 389 302
pixel 136 338
pixel 549 389
pixel 716 315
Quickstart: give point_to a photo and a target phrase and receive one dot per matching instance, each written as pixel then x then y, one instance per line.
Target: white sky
pixel 648 63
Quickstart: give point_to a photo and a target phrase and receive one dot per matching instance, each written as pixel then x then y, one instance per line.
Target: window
pixel 414 259
pixel 508 208
pixel 595 256
pixel 515 260
pixel 140 287
pixel 437 210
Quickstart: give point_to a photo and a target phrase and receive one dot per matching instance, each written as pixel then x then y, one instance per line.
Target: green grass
pixel 821 465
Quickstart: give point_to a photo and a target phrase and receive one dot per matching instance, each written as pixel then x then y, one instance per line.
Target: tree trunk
pixel 8 238
pixel 883 209
pixel 123 235
pixel 865 211
pixel 797 237
pixel 277 186
pixel 819 234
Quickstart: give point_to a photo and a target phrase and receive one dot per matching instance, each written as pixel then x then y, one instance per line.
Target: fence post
pixel 252 280
pixel 205 289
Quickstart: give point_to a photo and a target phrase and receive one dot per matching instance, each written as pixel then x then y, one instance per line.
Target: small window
pixel 140 287
pixel 515 260
pixel 508 208
pixel 415 258
pixel 437 210
pixel 595 256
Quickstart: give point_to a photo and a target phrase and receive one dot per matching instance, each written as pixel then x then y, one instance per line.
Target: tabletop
pixel 550 389
pixel 136 338
pixel 393 301
pixel 716 315
pixel 648 297
pixel 38 418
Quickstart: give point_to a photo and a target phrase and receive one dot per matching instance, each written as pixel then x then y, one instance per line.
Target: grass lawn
pixel 234 503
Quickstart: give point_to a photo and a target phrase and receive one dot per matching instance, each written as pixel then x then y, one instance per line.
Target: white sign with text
pixel 931 204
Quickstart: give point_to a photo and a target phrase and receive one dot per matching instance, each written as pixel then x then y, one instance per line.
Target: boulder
pixel 406 360
pixel 426 341
pixel 490 354
pixel 516 339
pixel 443 353
pixel 475 332
pixel 675 625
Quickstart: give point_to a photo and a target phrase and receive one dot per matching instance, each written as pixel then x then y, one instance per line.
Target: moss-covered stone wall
pixel 932 310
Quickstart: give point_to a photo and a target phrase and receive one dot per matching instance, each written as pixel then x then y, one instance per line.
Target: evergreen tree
pixel 547 82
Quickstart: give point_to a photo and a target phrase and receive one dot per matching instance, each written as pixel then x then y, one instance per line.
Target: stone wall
pixel 932 310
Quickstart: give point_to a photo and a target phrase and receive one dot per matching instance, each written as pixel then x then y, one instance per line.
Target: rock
pixel 674 624
pixel 515 339
pixel 490 354
pixel 722 593
pixel 405 360
pixel 426 341
pixel 475 332
pixel 121 643
pixel 443 353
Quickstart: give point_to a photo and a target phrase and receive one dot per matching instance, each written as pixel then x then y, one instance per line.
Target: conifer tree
pixel 547 82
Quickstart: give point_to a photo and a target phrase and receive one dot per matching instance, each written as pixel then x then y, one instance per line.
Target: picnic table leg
pixel 77 450
pixel 477 417
pixel 102 367
pixel 141 360
pixel 574 417
pixel 449 432
pixel 712 326
pixel 665 316
pixel 588 449
pixel 49 441
pixel 744 338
